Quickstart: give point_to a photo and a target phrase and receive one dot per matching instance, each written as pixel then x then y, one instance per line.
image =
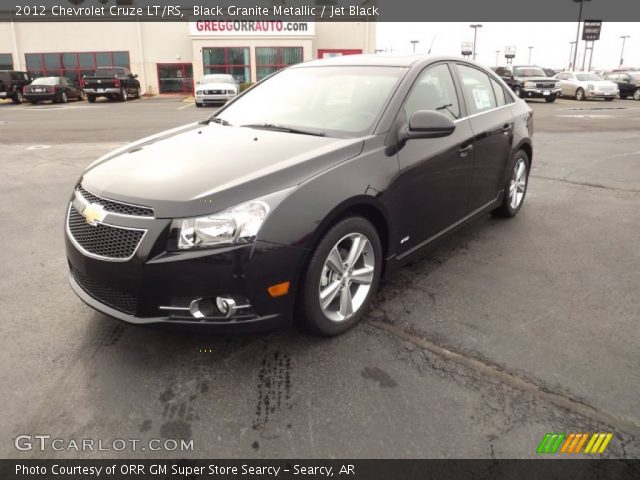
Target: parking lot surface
pixel 506 331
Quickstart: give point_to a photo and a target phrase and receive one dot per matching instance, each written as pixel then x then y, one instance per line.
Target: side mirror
pixel 135 75
pixel 427 124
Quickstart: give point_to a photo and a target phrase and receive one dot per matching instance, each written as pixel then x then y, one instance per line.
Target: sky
pixel 550 41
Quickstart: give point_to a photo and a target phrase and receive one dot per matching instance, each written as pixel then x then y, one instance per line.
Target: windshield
pixel 586 77
pixel 46 81
pixel 529 72
pixel 635 76
pixel 217 79
pixel 344 100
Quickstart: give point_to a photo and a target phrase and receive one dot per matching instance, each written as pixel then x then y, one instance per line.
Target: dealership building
pixel 169 56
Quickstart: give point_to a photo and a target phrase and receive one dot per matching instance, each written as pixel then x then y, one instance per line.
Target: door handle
pixel 507 129
pixel 464 151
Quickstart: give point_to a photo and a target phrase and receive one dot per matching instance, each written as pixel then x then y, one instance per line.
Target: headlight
pixel 199 92
pixel 231 92
pixel 529 85
pixel 235 225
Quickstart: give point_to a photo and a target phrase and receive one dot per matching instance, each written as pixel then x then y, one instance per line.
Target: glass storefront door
pixel 175 77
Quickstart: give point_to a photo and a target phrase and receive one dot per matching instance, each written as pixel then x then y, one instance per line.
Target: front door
pixel 431 192
pixel 175 77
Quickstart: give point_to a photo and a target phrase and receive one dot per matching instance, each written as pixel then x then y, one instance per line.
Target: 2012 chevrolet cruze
pixel 291 200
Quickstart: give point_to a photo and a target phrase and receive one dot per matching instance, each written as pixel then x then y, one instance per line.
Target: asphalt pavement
pixel 507 331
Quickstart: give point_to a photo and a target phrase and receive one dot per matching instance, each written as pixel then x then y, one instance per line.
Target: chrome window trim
pixel 482 113
pixel 100 257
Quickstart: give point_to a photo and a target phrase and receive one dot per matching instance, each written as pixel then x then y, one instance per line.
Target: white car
pixel 216 88
pixel 582 85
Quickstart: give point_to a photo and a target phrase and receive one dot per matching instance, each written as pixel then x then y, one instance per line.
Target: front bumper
pixel 541 92
pixel 134 290
pixel 208 99
pixel 601 94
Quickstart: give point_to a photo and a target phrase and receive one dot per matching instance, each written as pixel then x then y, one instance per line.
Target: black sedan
pixel 56 89
pixel 290 202
pixel 628 83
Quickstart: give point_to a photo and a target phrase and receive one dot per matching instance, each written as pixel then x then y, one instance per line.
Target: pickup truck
pixel 111 82
pixel 12 83
pixel 530 82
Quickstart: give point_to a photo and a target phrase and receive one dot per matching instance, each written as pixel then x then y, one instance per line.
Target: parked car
pixel 12 83
pixel 583 85
pixel 111 82
pixel 216 88
pixel 530 82
pixel 628 83
pixel 56 89
pixel 291 202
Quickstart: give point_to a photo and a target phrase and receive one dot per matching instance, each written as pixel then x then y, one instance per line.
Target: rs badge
pixel 93 213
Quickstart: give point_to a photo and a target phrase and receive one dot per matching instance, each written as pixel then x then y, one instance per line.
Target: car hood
pixel 215 86
pixel 201 169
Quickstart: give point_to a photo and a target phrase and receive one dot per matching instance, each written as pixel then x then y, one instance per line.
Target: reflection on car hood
pixel 201 169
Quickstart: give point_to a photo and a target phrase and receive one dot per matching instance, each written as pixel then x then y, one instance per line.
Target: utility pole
pixel 475 37
pixel 575 53
pixel 624 40
pixel 530 49
pixel 414 42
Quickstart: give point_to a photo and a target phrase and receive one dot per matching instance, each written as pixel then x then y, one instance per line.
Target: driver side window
pixel 433 90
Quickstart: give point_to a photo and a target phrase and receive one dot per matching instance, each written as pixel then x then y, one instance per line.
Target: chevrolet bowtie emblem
pixel 93 213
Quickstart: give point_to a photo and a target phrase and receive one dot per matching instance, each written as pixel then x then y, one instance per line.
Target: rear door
pixel 492 126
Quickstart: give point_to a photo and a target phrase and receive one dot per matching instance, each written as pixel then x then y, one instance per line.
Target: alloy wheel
pixel 518 184
pixel 346 278
pixel 636 95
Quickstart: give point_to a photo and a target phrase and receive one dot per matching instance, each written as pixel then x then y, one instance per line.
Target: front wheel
pixel 18 98
pixel 91 98
pixel 342 277
pixel 515 188
pixel 608 99
pixel 580 94
pixel 518 92
pixel 63 97
pixel 550 99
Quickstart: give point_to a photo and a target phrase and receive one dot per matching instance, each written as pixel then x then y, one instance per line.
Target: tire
pixel 91 98
pixel 199 105
pixel 124 96
pixel 608 99
pixel 550 99
pixel 63 97
pixel 636 94
pixel 17 98
pixel 137 95
pixel 623 97
pixel 517 91
pixel 338 243
pixel 81 96
pixel 580 94
pixel 33 102
pixel 507 208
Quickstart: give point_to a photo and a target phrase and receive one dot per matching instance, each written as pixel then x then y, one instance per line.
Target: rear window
pixel 46 81
pixel 110 72
pixel 478 92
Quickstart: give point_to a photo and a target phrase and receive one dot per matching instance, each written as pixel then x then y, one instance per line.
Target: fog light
pixel 225 305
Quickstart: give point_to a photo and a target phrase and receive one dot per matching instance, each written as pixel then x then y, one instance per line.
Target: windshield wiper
pixel 219 120
pixel 284 128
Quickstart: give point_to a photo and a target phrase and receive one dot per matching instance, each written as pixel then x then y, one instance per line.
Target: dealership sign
pixel 250 28
pixel 591 30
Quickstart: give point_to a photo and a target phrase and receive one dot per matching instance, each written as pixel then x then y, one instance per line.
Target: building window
pixel 232 60
pixel 175 77
pixel 271 59
pixel 73 65
pixel 6 61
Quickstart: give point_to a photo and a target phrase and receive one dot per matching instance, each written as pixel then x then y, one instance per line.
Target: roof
pixel 375 60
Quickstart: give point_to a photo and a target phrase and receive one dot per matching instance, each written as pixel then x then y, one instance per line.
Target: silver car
pixel 216 88
pixel 583 85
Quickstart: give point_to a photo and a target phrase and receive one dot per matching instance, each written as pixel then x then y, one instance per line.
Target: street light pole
pixel 575 53
pixel 571 67
pixel 530 49
pixel 624 40
pixel 497 57
pixel 475 37
pixel 414 42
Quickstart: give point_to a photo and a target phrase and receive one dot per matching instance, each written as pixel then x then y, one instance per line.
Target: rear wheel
pixel 124 95
pixel 63 97
pixel 91 98
pixel 17 97
pixel 623 96
pixel 515 188
pixel 580 94
pixel 342 277
pixel 636 94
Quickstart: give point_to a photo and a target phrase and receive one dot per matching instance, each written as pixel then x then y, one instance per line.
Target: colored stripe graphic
pixel 598 443
pixel 550 443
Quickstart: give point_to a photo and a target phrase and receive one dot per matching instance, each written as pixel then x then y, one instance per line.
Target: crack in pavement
pixel 587 184
pixel 494 372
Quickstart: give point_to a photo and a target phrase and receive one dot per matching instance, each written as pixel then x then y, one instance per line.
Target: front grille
pixel 214 92
pixel 546 85
pixel 121 301
pixel 101 239
pixel 116 207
